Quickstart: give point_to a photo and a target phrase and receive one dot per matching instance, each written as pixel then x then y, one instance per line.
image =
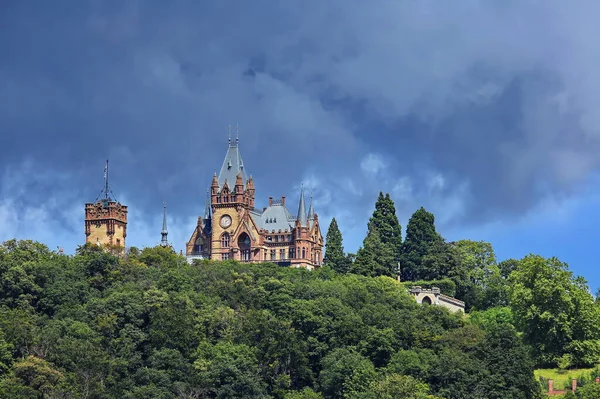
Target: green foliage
pixel 420 234
pixel 334 249
pixel 589 391
pixel 149 325
pixel 490 318
pixel 555 311
pixel 380 251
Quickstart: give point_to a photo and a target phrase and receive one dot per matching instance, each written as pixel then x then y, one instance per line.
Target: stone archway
pixel 426 300
pixel 244 244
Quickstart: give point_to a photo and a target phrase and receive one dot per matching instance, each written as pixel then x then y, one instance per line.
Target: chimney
pixel 270 201
pixel 550 387
pixel 573 385
pixel 283 201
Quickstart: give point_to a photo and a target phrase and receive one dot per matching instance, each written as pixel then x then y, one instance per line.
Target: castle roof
pixel 275 217
pixel 232 165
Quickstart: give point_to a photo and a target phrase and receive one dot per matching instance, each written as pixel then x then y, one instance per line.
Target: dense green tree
pixel 394 386
pixel 420 234
pixel 555 311
pixel 345 374
pixel 588 391
pixel 507 266
pixel 510 365
pixel 380 251
pixel 334 249
pixel 478 279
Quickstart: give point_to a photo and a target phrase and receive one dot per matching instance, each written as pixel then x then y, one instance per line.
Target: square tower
pixel 106 223
pixel 106 219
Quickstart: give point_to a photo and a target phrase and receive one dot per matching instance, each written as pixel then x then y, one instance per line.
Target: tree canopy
pixel 149 325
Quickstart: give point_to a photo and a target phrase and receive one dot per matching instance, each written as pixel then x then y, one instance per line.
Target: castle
pixel 231 227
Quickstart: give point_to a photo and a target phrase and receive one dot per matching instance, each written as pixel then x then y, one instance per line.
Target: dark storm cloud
pixel 477 109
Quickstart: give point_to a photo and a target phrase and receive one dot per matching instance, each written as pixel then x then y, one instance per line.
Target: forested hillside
pixel 150 325
pixel 95 325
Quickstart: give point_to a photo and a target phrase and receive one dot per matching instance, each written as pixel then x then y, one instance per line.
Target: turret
pixel 239 188
pixel 250 191
pixel 311 210
pixel 301 218
pixel 214 187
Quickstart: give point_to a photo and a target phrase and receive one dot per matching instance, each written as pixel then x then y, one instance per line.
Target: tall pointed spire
pixel 302 208
pixel 164 242
pixel 207 212
pixel 311 210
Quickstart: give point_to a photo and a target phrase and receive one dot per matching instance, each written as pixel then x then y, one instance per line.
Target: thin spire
pixel 164 242
pixel 311 209
pixel 302 208
pixel 207 211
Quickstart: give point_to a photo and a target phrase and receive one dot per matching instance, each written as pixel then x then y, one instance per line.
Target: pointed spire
pixel 302 208
pixel 311 210
pixel 215 181
pixel 232 165
pixel 207 212
pixel 164 242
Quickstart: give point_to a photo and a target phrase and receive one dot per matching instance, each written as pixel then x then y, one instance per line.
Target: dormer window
pixel 229 164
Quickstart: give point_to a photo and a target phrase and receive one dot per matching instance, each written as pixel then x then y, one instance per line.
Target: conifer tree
pixel 381 248
pixel 420 234
pixel 334 249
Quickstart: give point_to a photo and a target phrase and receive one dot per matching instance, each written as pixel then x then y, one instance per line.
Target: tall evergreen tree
pixel 334 249
pixel 381 247
pixel 420 234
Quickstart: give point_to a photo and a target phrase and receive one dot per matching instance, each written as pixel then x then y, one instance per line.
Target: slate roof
pixel 274 217
pixel 302 209
pixel 232 164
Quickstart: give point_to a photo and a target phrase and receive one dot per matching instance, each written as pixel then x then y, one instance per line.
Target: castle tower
pixel 106 219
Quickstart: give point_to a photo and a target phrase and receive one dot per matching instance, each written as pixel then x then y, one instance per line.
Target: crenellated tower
pixel 106 219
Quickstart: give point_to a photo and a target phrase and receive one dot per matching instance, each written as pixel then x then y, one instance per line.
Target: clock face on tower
pixel 225 221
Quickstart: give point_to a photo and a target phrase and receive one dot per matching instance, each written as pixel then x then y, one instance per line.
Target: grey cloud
pixel 498 98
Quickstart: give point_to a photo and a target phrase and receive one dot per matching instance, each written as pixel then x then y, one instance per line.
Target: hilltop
pixel 149 325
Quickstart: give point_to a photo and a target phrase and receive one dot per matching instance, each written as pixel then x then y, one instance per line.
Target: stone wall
pixel 433 296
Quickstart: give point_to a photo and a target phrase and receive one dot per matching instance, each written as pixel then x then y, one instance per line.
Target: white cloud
pixel 372 164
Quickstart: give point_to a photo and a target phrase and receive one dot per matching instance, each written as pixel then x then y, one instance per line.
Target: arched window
pixel 198 246
pixel 225 240
pixel 303 253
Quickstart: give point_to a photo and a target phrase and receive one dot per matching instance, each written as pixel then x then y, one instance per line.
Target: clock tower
pixel 233 228
pixel 232 198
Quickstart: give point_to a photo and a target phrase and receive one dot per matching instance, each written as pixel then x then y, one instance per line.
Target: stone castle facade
pixel 233 228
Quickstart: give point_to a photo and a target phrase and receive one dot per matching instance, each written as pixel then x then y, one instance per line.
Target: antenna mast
pixel 106 180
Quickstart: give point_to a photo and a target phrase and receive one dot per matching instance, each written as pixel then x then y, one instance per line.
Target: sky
pixel 483 112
